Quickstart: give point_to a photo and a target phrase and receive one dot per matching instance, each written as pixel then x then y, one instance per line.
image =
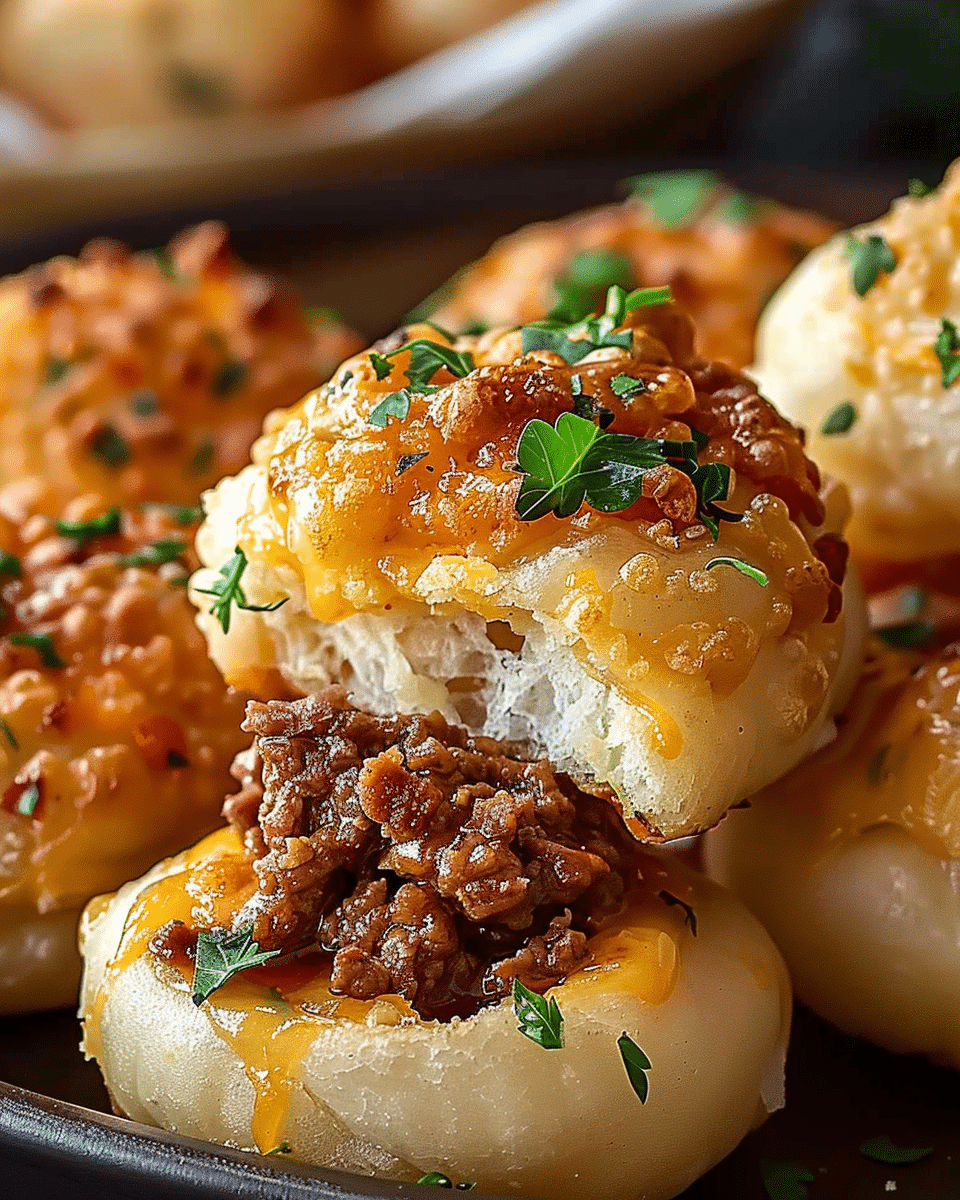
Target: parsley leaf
pixel 183 514
pixel 627 386
pixel 228 591
pixel 726 560
pixel 220 956
pixel 397 404
pixel 144 403
pixel 675 197
pixel 28 800
pixel 882 1149
pixel 588 273
pixel 10 564
pixel 908 635
pixel 154 555
pixel 231 376
pixel 742 208
pixel 574 340
pixel 109 446
pixel 426 358
pixel 538 1018
pixel 406 461
pixel 9 734
pixel 840 419
pixel 690 917
pixel 636 1064
pixel 161 256
pixel 44 646
pixel 83 532
pixel 203 456
pixel 56 369
pixel 870 259
pixel 947 349
pixel 917 188
pixel 786 1181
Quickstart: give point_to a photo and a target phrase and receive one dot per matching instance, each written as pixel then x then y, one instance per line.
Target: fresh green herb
pixel 10 564
pixel 786 1181
pixel 474 329
pixel 232 375
pixel 947 349
pixel 83 532
pixel 726 560
pixel 228 591
pixel 908 635
pixel 382 366
pixel 840 419
pixel 919 189
pixel 675 197
pixel 914 602
pixel 882 1150
pixel 870 259
pixel 690 917
pixel 283 1148
pixel 9 734
pixel 182 514
pixel 406 461
pixel 202 459
pixel 438 1179
pixel 56 369
pixel 397 404
pixel 742 209
pixel 877 769
pixel 154 555
pixel 43 644
pixel 220 956
pixel 200 94
pixel 322 316
pixel 109 446
pixel 588 273
pixel 637 1065
pixel 575 461
pixel 176 759
pixel 574 340
pixel 539 1019
pixel 627 386
pixel 144 403
pixel 161 256
pixel 426 358
pixel 588 407
pixel 29 799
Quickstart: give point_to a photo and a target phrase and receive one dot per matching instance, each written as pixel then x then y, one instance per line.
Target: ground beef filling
pixel 427 862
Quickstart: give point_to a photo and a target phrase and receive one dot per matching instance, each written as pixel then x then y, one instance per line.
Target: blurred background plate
pixel 558 72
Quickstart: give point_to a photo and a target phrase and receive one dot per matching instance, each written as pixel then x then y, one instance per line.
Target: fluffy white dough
pixel 821 345
pixel 397 1096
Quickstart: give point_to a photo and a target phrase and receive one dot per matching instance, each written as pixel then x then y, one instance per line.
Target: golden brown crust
pixel 117 731
pixel 722 271
pixel 147 376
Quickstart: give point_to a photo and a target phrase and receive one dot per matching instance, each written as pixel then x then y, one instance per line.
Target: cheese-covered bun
pixel 99 63
pixel 116 731
pixel 853 861
pixel 394 516
pixel 721 251
pixel 458 963
pixel 147 376
pixel 870 377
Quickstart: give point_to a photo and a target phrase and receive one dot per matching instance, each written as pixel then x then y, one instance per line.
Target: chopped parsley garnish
pixel 426 358
pixel 575 461
pixel 742 208
pixel 877 769
pixel 588 273
pixel 144 403
pixel 406 461
pixel 183 514
pixel 675 197
pixel 574 340
pixel 220 956
pixel 690 917
pixel 28 800
pixel 161 256
pixel 882 1150
pixel 83 532
pixel 870 259
pixel 538 1018
pixel 154 555
pixel 947 349
pixel 232 375
pixel 908 635
pixel 588 407
pixel 636 1064
pixel 627 386
pixel 914 602
pixel 9 734
pixel 56 369
pixel 438 1179
pixel 10 564
pixel 918 189
pixel 840 420
pixel 397 404
pixel 727 560
pixel 786 1181
pixel 202 459
pixel 283 1148
pixel 43 644
pixel 110 447
pixel 228 591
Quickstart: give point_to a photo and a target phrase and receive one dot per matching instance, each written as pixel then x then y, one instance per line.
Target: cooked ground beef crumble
pixel 426 862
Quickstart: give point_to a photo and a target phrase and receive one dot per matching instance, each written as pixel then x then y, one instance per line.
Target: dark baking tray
pixel 373 249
